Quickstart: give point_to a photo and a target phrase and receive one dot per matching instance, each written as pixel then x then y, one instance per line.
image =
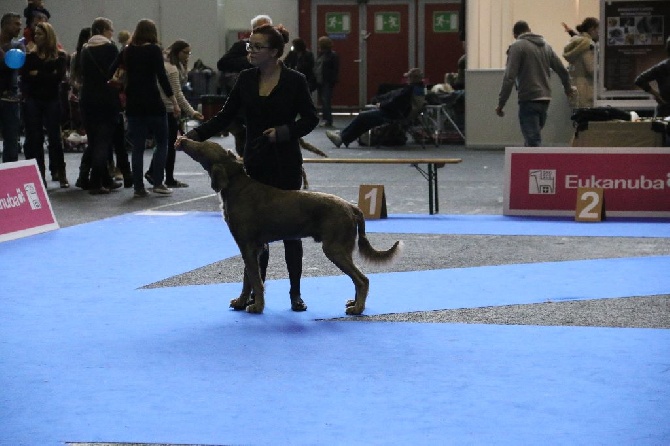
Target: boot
pixel 83 179
pixel 127 177
pixel 62 178
pixel 43 173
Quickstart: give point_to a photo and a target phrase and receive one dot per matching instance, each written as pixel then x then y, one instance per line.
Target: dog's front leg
pixel 252 273
pixel 245 296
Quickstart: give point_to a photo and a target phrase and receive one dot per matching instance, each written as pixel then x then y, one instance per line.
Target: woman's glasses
pixel 255 47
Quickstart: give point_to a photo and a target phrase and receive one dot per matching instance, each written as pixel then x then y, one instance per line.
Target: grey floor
pixel 473 187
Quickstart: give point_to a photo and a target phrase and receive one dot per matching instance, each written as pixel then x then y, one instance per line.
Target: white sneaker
pixel 161 189
pixel 334 137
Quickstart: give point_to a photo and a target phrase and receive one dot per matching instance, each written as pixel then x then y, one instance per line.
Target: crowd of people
pixel 152 104
pixel 149 105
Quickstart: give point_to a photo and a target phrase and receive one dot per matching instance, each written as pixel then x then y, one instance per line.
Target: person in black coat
pixel 301 59
pixel 270 98
pixel 101 108
pixel 326 70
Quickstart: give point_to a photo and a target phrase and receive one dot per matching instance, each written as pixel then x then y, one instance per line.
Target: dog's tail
pixel 311 148
pixel 365 248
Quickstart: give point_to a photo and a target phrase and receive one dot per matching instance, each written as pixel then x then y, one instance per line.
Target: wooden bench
pixel 430 174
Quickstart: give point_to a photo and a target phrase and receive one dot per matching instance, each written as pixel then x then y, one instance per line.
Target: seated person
pixel 400 104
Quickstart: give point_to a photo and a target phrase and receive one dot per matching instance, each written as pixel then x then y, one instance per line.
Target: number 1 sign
pixel 372 201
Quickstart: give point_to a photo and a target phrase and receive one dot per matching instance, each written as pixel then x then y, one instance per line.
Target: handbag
pixel 119 79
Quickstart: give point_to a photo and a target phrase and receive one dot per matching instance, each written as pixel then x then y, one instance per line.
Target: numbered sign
pixel 590 204
pixel 372 201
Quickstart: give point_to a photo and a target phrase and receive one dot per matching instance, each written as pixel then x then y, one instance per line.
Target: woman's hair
pixel 49 48
pixel 299 45
pixel 587 25
pixel 174 50
pixel 277 37
pixel 84 35
pixel 324 43
pixel 145 32
pixel 100 25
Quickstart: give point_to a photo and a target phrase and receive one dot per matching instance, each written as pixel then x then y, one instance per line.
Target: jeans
pixel 325 93
pixel 10 122
pixel 532 117
pixel 40 115
pixel 138 130
pixel 362 123
pixel 100 130
pixel 173 131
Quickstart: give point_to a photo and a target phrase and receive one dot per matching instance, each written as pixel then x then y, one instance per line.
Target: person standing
pixel 10 120
pixel 270 98
pixel 230 65
pixel 176 67
pixel 302 60
pixel 326 70
pixel 529 61
pixel 100 105
pixel 661 74
pixel 41 77
pixel 580 53
pixel 145 110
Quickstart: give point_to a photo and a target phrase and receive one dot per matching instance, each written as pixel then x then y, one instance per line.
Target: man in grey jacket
pixel 529 60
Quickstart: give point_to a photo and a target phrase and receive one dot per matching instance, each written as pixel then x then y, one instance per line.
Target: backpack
pixel 582 116
pixel 391 134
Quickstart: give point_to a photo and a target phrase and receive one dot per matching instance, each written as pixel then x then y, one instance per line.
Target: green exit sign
pixel 445 22
pixel 338 22
pixel 387 22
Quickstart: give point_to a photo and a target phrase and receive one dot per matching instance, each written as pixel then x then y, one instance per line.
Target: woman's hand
pixel 198 116
pixel 271 134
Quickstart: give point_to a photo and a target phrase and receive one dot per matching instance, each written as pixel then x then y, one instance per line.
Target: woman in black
pixel 143 61
pixel 41 76
pixel 270 97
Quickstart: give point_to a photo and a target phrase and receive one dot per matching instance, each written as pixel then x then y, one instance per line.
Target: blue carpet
pixel 507 225
pixel 87 356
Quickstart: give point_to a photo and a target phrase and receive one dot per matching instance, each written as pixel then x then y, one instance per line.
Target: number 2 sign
pixel 590 204
pixel 372 201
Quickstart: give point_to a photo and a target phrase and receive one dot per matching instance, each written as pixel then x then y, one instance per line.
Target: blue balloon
pixel 15 58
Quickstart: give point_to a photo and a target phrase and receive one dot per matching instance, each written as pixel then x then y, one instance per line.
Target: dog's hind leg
pixel 342 258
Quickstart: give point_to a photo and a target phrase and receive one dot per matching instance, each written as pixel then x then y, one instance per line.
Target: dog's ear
pixel 219 177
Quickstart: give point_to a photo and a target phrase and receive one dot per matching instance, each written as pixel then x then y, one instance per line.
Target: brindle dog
pixel 258 214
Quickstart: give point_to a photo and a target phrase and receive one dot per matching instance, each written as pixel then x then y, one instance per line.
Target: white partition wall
pixel 484 129
pixel 489 33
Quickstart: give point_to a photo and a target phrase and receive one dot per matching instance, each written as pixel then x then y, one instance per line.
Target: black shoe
pixel 297 304
pixel 175 184
pixel 82 183
pixel 113 185
pixel 99 191
pixel 149 178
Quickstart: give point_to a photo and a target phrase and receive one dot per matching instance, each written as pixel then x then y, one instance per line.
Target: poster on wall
pixel 632 39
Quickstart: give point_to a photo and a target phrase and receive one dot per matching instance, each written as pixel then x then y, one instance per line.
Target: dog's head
pixel 221 164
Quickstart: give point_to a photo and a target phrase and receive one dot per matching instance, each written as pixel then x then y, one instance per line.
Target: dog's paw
pixel 354 311
pixel 239 304
pixel 350 303
pixel 254 308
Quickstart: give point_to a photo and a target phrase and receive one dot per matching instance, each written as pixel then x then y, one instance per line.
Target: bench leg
pixel 433 205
